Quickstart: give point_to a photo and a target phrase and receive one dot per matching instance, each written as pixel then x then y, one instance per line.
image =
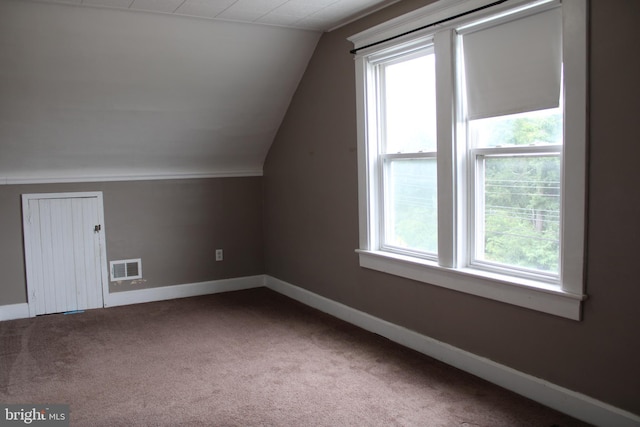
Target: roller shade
pixel 515 66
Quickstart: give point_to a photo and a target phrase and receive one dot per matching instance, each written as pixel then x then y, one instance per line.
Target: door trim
pixel 28 250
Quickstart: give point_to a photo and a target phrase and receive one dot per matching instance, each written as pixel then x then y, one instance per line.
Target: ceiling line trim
pixel 110 178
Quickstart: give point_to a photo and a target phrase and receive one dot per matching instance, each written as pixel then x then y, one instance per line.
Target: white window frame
pixel 452 269
pixel 379 63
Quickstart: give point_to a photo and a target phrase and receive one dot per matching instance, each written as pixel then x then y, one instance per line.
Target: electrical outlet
pixel 219 255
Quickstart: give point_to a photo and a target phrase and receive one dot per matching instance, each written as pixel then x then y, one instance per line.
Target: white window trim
pixel 564 300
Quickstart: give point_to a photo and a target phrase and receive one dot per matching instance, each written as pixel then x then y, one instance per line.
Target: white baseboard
pixel 182 291
pixel 14 311
pixel 564 400
pixel 21 311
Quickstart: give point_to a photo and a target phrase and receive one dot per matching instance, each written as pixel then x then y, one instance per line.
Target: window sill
pixel 525 293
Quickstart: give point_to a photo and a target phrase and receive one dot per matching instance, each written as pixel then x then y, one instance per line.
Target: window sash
pixel 381 66
pixel 387 198
pixel 476 219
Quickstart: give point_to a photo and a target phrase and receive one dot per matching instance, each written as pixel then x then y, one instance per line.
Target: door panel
pixel 87 253
pixel 64 265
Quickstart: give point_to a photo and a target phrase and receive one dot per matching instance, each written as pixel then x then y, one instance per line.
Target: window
pixel 471 142
pixel 515 203
pixel 407 84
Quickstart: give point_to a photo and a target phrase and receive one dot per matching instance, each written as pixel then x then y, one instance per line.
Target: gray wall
pixel 311 215
pixel 173 225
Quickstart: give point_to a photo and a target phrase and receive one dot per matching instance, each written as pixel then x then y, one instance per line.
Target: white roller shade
pixel 515 66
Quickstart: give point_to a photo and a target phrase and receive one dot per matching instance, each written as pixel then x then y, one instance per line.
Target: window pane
pixel 410 105
pixel 530 128
pixel 521 214
pixel 411 209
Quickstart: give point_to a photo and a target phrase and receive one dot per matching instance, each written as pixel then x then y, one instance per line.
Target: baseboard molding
pixel 139 296
pixel 14 311
pixel 182 291
pixel 564 400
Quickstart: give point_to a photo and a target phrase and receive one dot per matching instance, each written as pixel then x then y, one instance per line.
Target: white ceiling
pixel 319 15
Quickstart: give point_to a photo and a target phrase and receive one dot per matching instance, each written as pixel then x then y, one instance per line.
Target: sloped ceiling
pixel 94 93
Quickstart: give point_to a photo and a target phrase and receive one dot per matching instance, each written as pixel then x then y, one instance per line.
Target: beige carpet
pixel 248 358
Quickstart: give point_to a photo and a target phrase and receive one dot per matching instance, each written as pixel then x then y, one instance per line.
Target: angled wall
pixel 91 92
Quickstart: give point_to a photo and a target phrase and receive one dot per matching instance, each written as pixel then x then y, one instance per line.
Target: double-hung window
pixel 407 151
pixel 472 142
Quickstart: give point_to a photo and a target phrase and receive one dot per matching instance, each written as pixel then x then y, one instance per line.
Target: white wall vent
pixel 127 269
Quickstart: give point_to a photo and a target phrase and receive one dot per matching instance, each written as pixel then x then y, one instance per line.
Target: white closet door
pixel 63 252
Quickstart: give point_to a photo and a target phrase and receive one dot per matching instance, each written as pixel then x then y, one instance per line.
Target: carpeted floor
pixel 247 358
